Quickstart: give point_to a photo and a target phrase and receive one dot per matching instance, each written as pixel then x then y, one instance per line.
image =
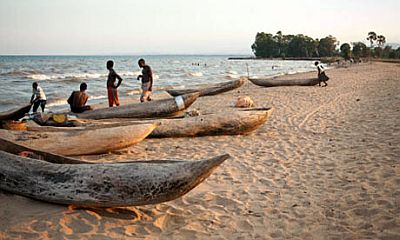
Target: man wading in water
pixel 147 81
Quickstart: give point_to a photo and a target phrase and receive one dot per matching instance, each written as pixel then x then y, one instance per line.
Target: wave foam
pixel 195 74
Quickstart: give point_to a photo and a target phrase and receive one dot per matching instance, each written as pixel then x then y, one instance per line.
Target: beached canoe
pixel 222 123
pixel 211 90
pixel 102 184
pixel 153 109
pixel 273 82
pixel 81 141
pixel 15 114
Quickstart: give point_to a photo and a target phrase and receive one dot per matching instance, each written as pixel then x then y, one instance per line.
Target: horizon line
pixel 128 54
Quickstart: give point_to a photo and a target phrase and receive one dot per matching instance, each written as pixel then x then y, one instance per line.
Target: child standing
pixel 321 74
pixel 112 86
pixel 38 97
pixel 147 80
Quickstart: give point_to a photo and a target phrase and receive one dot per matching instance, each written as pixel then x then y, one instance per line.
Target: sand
pixel 324 166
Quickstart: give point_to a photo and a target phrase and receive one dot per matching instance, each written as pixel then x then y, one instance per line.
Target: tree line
pixel 267 45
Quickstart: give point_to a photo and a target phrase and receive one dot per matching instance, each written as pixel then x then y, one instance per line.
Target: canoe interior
pixel 14 148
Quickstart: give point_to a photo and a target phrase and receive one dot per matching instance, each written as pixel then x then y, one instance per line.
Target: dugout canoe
pixel 222 123
pixel 102 184
pixel 16 113
pixel 211 90
pixel 81 141
pixel 153 109
pixel 273 82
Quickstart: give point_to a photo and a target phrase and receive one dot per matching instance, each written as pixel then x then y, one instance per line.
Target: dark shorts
pixel 81 109
pixel 36 104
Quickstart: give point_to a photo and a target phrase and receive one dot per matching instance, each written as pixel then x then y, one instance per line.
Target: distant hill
pixel 393 45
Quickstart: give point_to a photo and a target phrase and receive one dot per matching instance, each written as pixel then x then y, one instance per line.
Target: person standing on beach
pixel 321 74
pixel 147 81
pixel 38 97
pixel 78 99
pixel 112 92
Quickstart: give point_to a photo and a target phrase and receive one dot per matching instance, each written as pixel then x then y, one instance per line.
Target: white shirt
pixel 39 93
pixel 321 68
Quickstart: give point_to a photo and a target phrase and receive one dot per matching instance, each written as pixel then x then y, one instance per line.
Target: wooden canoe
pixel 273 82
pixel 81 141
pixel 211 90
pixel 15 114
pixel 152 109
pixel 102 184
pixel 222 123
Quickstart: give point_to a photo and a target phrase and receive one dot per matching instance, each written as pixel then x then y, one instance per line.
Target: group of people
pixel 78 99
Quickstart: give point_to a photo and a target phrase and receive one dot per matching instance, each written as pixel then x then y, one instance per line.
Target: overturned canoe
pixel 152 109
pixel 81 141
pixel 273 82
pixel 103 184
pixel 211 90
pixel 15 114
pixel 222 123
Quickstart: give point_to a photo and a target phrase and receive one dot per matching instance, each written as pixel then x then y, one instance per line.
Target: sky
pixel 91 27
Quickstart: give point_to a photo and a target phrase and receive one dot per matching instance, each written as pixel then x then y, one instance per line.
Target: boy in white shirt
pixel 38 97
pixel 321 74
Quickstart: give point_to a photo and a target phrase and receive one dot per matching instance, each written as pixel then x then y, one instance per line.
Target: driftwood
pixel 273 82
pixel 103 184
pixel 152 109
pixel 210 90
pixel 81 141
pixel 15 114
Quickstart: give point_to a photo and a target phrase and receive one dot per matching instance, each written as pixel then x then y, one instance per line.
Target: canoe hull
pixel 81 142
pixel 211 90
pixel 272 82
pixel 153 109
pixel 15 114
pixel 103 185
pixel 228 123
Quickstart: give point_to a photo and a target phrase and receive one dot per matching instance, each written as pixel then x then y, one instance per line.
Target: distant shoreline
pixel 282 58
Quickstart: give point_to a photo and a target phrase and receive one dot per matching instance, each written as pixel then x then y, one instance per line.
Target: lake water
pixel 60 75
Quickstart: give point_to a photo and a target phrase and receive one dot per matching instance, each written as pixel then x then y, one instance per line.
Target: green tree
pixel 280 44
pixel 327 46
pixel 345 51
pixel 377 52
pixel 381 40
pixel 397 53
pixel 360 50
pixel 371 38
pixel 388 52
pixel 265 45
pixel 302 46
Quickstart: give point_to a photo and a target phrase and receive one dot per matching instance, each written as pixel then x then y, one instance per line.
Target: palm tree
pixel 381 40
pixel 371 37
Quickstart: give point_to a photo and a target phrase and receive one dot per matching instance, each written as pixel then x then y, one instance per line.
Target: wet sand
pixel 324 166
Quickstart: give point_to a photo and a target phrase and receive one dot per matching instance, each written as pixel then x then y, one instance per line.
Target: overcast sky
pixel 183 26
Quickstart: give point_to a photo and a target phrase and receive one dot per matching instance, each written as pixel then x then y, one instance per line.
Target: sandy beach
pixel 324 166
